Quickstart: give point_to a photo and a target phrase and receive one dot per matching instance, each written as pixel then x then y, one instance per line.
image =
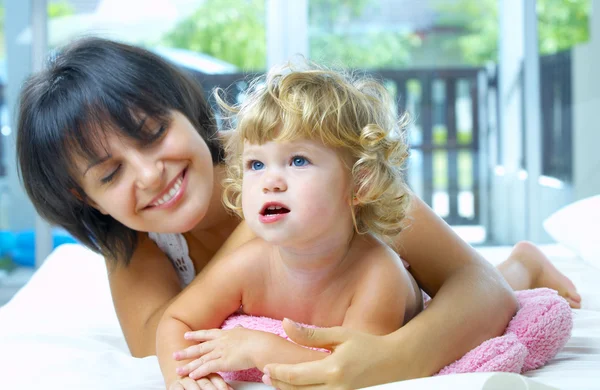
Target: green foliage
pixel 327 12
pixel 6 264
pixel 366 50
pixel 231 30
pixel 58 9
pixel 561 24
pixel 234 31
pixel 332 39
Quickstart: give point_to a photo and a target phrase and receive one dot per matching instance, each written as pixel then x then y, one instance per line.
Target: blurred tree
pixel 561 24
pixel 231 30
pixel 335 39
pixel 234 31
pixel 57 9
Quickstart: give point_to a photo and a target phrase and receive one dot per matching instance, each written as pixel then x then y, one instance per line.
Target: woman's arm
pixel 471 303
pixel 143 290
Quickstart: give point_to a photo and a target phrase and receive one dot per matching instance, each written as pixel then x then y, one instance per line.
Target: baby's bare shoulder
pixel 375 254
pixel 248 259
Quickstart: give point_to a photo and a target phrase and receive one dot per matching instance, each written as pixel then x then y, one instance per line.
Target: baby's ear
pixel 359 178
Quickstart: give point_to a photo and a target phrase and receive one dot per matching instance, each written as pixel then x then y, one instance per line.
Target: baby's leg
pixel 527 267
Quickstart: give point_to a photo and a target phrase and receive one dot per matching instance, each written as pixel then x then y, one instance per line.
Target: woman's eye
pixel 299 161
pixel 157 135
pixel 111 176
pixel 256 165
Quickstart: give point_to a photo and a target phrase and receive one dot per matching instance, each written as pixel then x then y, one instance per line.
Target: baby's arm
pixel 383 295
pixel 214 294
pixel 240 348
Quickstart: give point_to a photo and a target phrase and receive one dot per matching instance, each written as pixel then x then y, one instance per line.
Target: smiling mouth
pixel 169 193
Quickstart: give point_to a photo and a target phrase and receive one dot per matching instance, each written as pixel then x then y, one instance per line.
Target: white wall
pixel 521 198
pixel 586 111
pixel 508 189
pixel 18 60
pixel 287 30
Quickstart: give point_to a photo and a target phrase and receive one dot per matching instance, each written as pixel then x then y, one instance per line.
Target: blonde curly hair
pixel 354 115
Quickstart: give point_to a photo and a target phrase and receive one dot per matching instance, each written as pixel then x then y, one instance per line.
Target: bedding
pixel 576 226
pixel 61 332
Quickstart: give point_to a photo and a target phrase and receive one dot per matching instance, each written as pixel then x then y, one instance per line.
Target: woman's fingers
pixel 319 338
pixel 206 384
pixel 286 386
pixel 289 376
pixel 189 384
pixel 176 386
pixel 300 374
pixel 218 381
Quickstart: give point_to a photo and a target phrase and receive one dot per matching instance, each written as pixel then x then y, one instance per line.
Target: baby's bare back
pixel 369 280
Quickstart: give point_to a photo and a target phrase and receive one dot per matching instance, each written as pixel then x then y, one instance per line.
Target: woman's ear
pixel 88 200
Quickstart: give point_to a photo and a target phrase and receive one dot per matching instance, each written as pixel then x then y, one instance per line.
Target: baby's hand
pixel 221 350
pixel 210 382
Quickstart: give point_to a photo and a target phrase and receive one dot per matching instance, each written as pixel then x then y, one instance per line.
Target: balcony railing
pixel 447 107
pixel 444 109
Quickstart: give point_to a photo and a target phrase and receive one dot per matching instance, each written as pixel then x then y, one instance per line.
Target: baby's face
pixel 295 193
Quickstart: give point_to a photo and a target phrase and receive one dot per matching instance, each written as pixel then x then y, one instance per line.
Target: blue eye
pixel 299 161
pixel 256 165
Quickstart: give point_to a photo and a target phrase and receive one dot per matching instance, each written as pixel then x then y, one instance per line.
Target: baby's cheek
pixel 249 202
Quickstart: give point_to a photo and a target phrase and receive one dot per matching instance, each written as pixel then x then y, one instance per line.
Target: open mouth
pixel 274 209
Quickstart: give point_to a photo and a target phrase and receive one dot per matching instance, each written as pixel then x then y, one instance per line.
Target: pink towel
pixel 540 328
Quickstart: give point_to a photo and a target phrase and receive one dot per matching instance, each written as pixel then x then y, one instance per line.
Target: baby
pixel 315 168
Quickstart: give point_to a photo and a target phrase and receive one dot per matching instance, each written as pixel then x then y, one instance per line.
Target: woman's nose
pixel 149 172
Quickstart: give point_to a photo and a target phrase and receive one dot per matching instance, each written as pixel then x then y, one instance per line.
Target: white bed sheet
pixel 61 332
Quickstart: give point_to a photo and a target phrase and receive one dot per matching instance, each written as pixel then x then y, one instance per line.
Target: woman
pixel 120 148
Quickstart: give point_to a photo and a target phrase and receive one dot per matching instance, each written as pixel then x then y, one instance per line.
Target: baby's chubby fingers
pixel 195 364
pixel 194 351
pixel 209 367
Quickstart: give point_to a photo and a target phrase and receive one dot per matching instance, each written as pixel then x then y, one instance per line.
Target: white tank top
pixel 175 247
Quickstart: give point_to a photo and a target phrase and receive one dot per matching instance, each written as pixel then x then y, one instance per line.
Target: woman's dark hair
pixel 90 87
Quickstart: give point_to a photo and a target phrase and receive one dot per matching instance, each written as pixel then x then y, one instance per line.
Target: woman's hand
pixel 211 382
pixel 221 350
pixel 358 360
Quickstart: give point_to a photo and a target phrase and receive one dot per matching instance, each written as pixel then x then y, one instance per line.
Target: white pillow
pixel 577 226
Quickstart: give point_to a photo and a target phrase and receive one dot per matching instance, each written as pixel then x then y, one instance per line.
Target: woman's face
pixel 165 186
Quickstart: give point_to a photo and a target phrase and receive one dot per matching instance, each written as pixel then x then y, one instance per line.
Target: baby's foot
pixel 544 273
